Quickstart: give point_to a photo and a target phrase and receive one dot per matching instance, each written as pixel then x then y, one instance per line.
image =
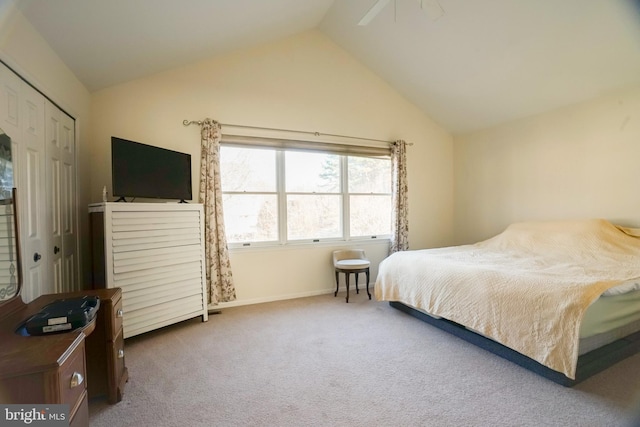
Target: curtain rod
pixel 199 123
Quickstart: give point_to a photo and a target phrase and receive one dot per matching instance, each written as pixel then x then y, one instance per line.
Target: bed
pixel 561 298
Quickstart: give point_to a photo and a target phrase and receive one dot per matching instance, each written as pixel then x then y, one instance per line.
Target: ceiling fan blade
pixel 375 9
pixel 433 8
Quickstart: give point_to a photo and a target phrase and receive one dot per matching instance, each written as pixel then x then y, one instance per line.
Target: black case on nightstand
pixel 63 315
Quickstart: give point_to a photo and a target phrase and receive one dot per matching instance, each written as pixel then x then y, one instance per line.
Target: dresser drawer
pixel 81 416
pixel 73 378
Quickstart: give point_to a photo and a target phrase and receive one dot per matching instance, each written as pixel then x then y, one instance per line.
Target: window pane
pixel 247 169
pixel 313 217
pixel 250 217
pixel 312 172
pixel 367 175
pixel 370 215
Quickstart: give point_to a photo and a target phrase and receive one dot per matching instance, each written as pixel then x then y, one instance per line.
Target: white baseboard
pixel 238 303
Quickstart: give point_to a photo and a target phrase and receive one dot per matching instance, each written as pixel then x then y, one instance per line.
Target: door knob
pixel 56 250
pixel 36 257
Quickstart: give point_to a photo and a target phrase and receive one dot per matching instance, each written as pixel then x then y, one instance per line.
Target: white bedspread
pixel 527 288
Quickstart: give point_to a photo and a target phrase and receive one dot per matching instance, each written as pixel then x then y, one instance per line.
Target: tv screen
pixel 140 170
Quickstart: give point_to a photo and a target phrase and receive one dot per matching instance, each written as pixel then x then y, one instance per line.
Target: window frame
pixel 281 147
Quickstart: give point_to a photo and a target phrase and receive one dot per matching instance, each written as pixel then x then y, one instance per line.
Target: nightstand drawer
pixel 118 355
pixel 73 378
pixel 115 326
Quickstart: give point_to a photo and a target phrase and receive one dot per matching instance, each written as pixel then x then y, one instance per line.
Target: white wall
pixel 575 162
pixel 305 83
pixel 28 54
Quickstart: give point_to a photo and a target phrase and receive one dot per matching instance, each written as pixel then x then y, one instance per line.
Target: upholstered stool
pixel 350 261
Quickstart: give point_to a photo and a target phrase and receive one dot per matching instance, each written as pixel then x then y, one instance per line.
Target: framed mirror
pixel 9 242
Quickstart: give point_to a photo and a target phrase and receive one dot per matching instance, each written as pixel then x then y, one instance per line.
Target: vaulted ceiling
pixel 469 64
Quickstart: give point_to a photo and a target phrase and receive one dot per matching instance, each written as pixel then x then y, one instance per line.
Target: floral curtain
pixel 219 278
pixel 400 202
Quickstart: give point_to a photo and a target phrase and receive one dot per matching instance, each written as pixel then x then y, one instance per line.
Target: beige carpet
pixel 321 362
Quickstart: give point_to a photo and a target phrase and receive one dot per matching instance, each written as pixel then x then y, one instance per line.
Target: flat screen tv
pixel 145 171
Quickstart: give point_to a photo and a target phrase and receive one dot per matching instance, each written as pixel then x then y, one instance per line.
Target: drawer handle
pixel 119 313
pixel 76 379
pixel 120 354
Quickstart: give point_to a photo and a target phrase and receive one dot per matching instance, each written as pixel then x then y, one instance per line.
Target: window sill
pixel 311 245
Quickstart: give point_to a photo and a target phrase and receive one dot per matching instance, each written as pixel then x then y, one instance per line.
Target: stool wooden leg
pixel 367 274
pixel 337 283
pixel 347 280
pixel 357 290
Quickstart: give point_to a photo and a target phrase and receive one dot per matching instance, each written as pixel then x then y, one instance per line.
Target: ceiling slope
pixel 106 42
pixel 479 63
pixel 487 62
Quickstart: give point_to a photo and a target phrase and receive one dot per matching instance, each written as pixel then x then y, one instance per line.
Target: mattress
pixel 608 319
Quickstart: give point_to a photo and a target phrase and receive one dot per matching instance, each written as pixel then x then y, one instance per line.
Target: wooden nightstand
pixel 106 370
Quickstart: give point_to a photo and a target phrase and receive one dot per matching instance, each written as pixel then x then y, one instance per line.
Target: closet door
pixel 68 204
pixel 43 157
pixel 32 201
pixel 60 172
pixel 53 174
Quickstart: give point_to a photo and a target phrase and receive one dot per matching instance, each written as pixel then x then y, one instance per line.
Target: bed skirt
pixel 589 363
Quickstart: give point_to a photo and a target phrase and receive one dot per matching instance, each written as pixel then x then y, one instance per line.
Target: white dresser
pixel 154 252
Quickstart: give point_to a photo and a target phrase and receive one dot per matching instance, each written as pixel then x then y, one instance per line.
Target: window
pixel 277 195
pixel 250 194
pixel 369 196
pixel 312 183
